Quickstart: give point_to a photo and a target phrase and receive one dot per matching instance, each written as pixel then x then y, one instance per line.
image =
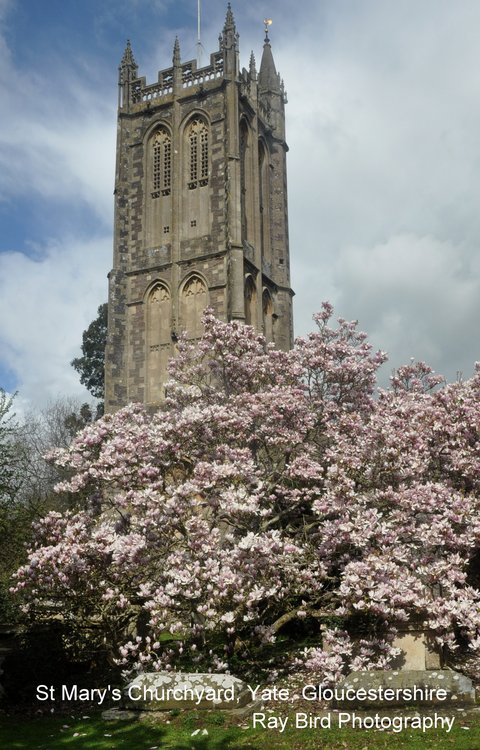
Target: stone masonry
pixel 200 212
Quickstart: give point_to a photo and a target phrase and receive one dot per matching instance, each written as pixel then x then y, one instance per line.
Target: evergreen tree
pixel 91 364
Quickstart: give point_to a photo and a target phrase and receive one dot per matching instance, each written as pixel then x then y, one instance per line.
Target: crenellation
pixel 191 77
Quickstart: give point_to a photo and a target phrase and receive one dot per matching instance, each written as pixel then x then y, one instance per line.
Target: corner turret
pixel 271 91
pixel 268 79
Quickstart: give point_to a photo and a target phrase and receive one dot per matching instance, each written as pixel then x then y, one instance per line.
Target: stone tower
pixel 200 211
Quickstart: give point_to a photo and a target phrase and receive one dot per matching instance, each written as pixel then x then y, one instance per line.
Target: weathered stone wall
pixel 195 230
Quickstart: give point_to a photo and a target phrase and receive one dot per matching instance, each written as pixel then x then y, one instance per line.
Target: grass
pixel 88 731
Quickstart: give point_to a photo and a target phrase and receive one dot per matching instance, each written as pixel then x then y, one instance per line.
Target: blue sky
pixel 384 167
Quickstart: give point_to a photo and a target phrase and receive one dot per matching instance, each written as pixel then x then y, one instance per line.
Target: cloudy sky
pixel 384 167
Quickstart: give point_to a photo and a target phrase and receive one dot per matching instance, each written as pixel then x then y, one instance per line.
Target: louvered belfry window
pixel 198 154
pixel 162 163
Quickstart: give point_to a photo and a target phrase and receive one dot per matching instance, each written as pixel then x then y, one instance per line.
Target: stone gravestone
pixel 162 691
pixel 419 667
pixel 417 688
pixel 419 650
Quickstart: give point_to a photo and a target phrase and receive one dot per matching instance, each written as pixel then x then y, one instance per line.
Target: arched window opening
pixel 264 195
pixel 159 177
pixel 162 163
pixel 250 301
pixel 195 195
pixel 243 181
pixel 267 308
pixel 197 138
pixel 158 341
pixel 194 300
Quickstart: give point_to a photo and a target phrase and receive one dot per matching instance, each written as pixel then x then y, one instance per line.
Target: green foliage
pixel 15 532
pixel 90 366
pixel 9 452
pixel 27 480
pixel 79 419
pixel 11 477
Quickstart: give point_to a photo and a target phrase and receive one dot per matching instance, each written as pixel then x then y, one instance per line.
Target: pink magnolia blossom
pixel 271 486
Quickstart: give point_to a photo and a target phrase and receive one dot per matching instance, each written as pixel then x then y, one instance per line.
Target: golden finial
pixel 268 22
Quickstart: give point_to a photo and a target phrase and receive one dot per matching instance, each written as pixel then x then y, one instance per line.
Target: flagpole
pixel 199 43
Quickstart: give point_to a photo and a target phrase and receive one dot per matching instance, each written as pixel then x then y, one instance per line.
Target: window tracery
pixel 162 163
pixel 158 340
pixel 193 302
pixel 197 138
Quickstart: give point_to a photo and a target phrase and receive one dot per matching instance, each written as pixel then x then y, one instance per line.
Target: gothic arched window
pixel 158 340
pixel 250 302
pixel 267 308
pixel 247 191
pixel 264 195
pixel 162 163
pixel 198 153
pixel 194 300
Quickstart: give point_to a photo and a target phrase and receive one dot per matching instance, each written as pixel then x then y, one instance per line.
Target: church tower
pixel 200 212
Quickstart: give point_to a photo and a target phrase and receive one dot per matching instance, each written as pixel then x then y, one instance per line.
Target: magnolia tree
pixel 270 487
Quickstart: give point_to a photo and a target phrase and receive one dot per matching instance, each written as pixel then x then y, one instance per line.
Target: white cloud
pixel 428 293
pixel 384 175
pixel 45 305
pixel 57 145
pixel 384 178
pixel 71 160
pixel 58 140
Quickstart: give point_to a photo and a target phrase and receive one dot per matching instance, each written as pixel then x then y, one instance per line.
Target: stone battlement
pixel 190 76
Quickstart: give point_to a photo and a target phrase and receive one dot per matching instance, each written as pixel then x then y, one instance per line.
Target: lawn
pixel 214 731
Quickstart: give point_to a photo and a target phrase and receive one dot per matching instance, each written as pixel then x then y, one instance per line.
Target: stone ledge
pixel 458 688
pixel 164 691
